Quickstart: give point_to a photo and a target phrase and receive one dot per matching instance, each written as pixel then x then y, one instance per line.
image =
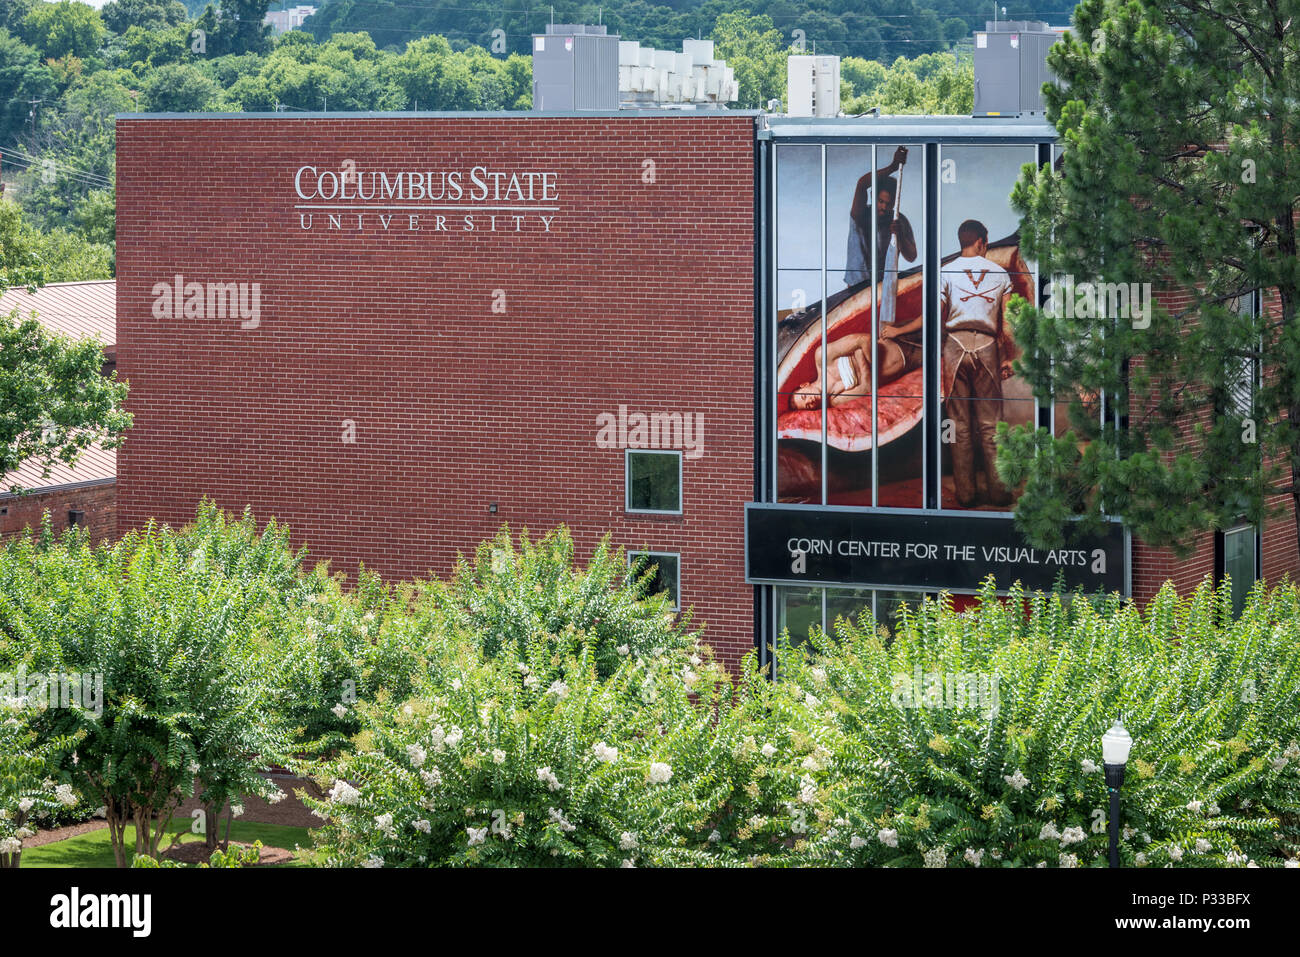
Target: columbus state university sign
pixel 818 545
pixel 478 199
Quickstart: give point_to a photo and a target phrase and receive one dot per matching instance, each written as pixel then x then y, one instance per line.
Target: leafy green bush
pixel 28 769
pixel 173 647
pixel 534 759
pixel 507 595
pixel 233 856
pixel 932 772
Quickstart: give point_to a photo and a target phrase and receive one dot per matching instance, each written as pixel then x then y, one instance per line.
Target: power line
pixel 67 166
pixel 24 161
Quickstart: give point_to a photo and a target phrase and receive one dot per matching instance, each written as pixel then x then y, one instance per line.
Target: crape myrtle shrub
pixel 32 789
pixel 564 716
pixel 529 757
pixel 932 776
pixel 172 644
pixel 218 656
pixel 508 594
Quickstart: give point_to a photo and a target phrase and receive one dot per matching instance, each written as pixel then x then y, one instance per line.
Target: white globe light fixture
pixel 1115 746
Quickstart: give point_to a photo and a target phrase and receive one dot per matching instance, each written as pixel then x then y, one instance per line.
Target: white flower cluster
pixel 973 856
pixel 416 755
pixel 936 857
pixel 887 836
pixel 660 773
pixel 344 793
pixel 556 815
pixel 547 777
pixel 1016 780
pixel 1073 835
pixel 604 752
pixel 446 739
pixel 807 790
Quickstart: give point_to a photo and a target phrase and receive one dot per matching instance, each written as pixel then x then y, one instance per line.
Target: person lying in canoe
pixel 898 352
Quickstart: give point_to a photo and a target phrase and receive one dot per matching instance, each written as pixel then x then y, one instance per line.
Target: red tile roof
pixel 79 310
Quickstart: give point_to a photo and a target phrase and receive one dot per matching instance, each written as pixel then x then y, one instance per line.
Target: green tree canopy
pixel 64 28
pixel 56 400
pixel 1178 120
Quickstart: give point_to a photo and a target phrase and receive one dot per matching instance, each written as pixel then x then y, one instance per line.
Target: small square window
pixel 667 573
pixel 654 482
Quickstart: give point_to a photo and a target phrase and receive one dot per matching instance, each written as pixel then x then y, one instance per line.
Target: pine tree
pixel 1178 123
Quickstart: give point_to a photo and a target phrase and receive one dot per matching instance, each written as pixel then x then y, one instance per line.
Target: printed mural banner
pixel 978 275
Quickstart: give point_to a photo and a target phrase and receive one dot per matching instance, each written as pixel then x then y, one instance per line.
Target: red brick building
pixel 84 495
pixel 417 376
pixel 396 332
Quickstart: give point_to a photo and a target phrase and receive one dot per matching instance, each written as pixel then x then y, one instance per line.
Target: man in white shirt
pixel 977 354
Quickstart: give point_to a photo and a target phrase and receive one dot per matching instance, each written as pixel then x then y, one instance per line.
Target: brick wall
pixel 640 295
pixel 99 502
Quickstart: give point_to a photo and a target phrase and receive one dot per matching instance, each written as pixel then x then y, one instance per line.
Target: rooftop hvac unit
pixel 629 53
pixel 813 85
pixel 575 67
pixel 1011 68
pixel 700 51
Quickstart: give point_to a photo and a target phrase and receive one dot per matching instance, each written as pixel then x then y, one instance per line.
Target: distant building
pixel 87 493
pixel 282 21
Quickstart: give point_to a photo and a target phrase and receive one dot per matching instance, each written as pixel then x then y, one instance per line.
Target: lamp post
pixel 1115 745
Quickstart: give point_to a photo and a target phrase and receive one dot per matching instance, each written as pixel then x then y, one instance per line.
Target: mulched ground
pixel 63 833
pixel 290 812
pixel 196 852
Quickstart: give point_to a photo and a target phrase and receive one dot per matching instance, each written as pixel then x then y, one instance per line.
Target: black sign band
pixel 814 545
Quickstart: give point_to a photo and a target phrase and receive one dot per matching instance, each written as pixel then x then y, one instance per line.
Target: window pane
pixel 799 610
pixel 1239 564
pixel 850 604
pixel 890 603
pixel 981 269
pixel 666 572
pixel 654 482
